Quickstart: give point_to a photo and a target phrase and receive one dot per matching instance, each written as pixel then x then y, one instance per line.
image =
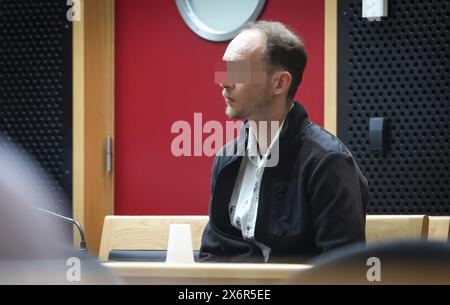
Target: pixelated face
pixel 240 72
pixel 243 75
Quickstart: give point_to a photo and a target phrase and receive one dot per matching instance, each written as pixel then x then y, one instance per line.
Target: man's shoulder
pixel 226 152
pixel 322 142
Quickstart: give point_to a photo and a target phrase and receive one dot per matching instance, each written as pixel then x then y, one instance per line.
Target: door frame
pixel 330 66
pixel 93 117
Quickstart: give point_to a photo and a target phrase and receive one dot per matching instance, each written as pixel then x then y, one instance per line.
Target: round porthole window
pixel 218 20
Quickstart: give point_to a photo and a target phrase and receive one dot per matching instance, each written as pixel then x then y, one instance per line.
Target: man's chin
pixel 232 113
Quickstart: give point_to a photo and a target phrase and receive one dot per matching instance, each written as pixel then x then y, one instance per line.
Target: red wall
pixel 165 73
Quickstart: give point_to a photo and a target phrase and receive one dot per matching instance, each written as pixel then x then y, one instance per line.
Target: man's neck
pixel 265 126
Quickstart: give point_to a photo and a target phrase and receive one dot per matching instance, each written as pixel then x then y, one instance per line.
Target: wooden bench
pixel 439 229
pixel 151 232
pixel 145 232
pixel 394 227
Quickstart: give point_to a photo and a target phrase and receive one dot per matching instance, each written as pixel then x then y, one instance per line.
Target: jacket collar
pixel 296 121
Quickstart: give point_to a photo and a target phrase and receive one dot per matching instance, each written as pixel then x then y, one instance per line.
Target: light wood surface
pixel 145 232
pixel 392 227
pixel 78 123
pixel 93 104
pixel 203 273
pixel 439 229
pixel 330 64
pixel 151 232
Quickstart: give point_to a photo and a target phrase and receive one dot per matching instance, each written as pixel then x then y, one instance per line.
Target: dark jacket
pixel 313 201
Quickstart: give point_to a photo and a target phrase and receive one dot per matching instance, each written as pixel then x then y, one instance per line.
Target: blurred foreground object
pixel 33 248
pixel 395 262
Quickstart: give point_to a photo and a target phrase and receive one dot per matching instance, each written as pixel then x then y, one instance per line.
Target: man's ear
pixel 282 82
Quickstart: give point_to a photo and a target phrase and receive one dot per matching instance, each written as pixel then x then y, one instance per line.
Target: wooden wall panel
pixel 93 116
pixel 331 78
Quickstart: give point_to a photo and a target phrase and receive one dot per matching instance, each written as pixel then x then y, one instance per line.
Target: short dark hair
pixel 283 49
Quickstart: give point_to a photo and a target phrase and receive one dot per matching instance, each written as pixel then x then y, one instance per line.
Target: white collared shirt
pixel 243 207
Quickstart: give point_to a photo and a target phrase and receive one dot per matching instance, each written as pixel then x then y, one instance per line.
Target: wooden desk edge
pixel 205 270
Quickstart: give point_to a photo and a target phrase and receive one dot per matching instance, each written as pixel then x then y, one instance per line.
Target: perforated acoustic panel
pixel 399 69
pixel 36 84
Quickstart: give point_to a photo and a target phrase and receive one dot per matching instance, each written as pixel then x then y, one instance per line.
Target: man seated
pixel 278 194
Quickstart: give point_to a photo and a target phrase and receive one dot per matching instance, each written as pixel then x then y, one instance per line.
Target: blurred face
pixel 245 85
